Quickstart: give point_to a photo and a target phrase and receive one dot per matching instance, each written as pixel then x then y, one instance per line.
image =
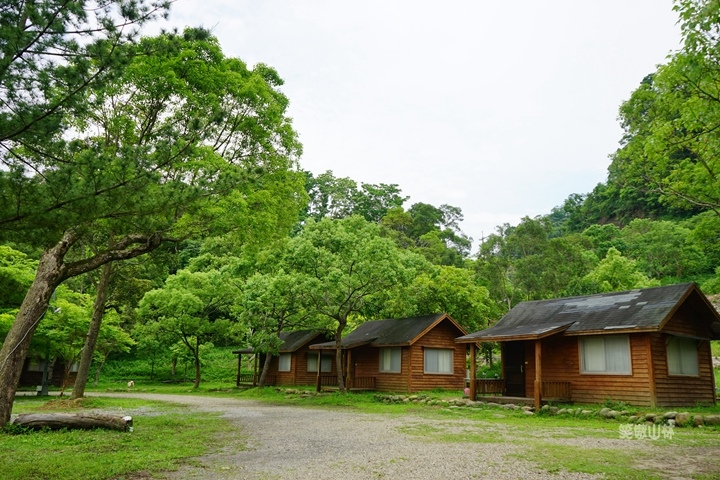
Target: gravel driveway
pixel 289 442
pixel 281 442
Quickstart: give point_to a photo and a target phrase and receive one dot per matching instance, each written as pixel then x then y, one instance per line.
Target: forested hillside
pixel 152 194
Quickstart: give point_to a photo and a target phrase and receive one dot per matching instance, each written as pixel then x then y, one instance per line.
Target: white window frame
pixel 682 357
pixel 284 362
pixel 604 354
pixel 325 363
pixel 439 369
pixel 390 360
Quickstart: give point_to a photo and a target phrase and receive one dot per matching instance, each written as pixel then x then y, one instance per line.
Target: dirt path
pixel 282 442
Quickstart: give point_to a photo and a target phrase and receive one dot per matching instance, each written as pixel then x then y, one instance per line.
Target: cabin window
pixel 284 362
pixel 390 359
pixel 608 354
pixel 325 363
pixel 439 360
pixel 682 356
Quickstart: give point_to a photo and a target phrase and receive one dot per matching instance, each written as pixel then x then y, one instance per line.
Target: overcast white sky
pixel 500 108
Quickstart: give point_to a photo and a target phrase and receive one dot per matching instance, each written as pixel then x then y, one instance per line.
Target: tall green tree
pixel 193 309
pixel 272 302
pixel 670 121
pixel 161 150
pixel 614 273
pixel 663 249
pixel 342 267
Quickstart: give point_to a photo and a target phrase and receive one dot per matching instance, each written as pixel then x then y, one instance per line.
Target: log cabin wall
pixel 300 358
pixel 561 363
pixel 283 378
pixel 303 377
pixel 683 390
pixel 366 362
pixel 442 336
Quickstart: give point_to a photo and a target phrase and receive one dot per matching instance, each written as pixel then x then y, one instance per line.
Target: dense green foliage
pixel 256 253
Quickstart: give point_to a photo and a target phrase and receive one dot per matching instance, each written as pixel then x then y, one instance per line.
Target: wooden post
pixel 473 370
pixel 319 367
pixel 237 382
pixel 538 374
pixel 255 371
pixel 349 380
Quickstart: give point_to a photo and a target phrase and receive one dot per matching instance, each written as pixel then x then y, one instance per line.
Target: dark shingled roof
pixel 644 309
pixel 292 341
pixel 390 332
pixel 295 340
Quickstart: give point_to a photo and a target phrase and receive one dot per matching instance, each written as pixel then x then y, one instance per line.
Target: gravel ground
pixel 284 442
pixel 279 442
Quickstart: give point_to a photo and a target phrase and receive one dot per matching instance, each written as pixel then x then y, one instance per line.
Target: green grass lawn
pixel 171 433
pixel 159 441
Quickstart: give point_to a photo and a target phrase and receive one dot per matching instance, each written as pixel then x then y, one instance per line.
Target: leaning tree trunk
pixel 91 340
pixel 51 272
pixel 265 370
pixel 17 342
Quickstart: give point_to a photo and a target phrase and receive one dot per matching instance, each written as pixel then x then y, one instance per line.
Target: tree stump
pixel 84 421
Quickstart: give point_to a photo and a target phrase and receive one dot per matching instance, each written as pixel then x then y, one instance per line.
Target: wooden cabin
pixel 294 365
pixel 32 373
pixel 400 355
pixel 645 347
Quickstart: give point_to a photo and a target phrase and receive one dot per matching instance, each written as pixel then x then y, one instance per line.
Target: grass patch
pixel 613 463
pixel 451 434
pixel 160 441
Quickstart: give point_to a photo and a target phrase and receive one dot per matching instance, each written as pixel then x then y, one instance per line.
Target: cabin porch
pixel 330 382
pixel 495 390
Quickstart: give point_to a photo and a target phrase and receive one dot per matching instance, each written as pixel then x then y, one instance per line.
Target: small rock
pixel 698 420
pixel 553 410
pixel 633 419
pixel 528 412
pixel 586 412
pixel 670 415
pixel 510 406
pixel 603 412
pixel 650 417
pixel 712 420
pixel 527 408
pixel 612 414
pixel 682 419
pixel 657 419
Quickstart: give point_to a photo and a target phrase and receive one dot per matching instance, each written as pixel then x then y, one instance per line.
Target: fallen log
pixel 84 421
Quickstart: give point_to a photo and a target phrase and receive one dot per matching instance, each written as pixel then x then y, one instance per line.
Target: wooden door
pixel 514 361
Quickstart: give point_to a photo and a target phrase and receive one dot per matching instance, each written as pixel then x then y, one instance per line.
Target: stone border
pixel 674 418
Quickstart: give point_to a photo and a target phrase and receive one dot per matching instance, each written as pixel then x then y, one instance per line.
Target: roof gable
pixel 293 341
pixel 645 309
pixel 392 332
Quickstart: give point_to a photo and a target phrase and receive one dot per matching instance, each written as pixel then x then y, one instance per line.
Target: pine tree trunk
pixel 51 272
pixel 91 340
pixel 17 342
